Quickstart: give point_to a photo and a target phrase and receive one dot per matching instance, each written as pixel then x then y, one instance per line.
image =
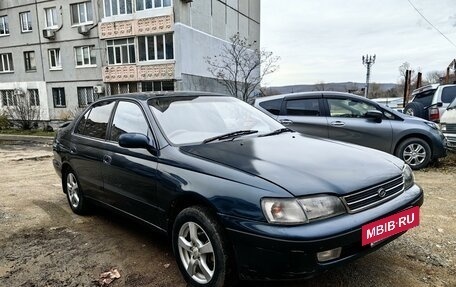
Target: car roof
pixel 309 94
pixel 144 96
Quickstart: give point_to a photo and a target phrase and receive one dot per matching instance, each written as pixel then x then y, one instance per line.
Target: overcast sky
pixel 324 40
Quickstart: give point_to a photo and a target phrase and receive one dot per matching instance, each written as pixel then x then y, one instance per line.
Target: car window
pixel 425 98
pixel 128 118
pixel 348 108
pixel 272 106
pixel 448 94
pixel 97 121
pixel 80 127
pixel 303 107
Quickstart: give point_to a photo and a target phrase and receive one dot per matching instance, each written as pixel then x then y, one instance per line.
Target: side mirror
pixel 374 114
pixel 136 140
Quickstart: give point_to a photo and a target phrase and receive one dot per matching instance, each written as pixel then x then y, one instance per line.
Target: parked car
pixel 430 102
pixel 240 195
pixel 354 119
pixel 448 125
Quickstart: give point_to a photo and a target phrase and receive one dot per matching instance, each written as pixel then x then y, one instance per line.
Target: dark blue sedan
pixel 240 195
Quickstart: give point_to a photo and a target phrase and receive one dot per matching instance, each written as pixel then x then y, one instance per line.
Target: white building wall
pixel 40 86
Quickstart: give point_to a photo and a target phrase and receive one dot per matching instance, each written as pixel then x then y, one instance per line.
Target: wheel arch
pixel 187 200
pixel 65 168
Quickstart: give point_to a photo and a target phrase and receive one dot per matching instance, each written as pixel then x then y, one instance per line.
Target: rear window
pixel 448 94
pixel 97 121
pixel 272 106
pixel 425 98
pixel 303 107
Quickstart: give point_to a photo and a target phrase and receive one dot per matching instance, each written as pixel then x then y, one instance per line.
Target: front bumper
pixel 450 141
pixel 273 252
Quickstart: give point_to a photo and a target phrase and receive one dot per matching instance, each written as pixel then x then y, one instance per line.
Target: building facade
pixel 66 54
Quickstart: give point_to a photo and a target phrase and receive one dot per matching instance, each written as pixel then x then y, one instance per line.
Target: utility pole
pixel 368 61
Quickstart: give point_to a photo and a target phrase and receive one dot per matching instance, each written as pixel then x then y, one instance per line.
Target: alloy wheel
pixel 196 252
pixel 414 154
pixel 73 190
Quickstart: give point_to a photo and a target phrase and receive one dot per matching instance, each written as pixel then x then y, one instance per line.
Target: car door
pixel 130 174
pixel 87 145
pixel 304 115
pixel 348 122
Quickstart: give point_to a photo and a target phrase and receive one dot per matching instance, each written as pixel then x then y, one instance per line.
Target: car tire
pixel 74 193
pixel 202 252
pixel 415 109
pixel 415 152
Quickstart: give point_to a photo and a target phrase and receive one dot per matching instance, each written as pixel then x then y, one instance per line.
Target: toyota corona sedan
pixel 241 196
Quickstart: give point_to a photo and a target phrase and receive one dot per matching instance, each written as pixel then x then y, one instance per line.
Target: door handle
pixel 73 150
pixel 338 124
pixel 107 159
pixel 286 122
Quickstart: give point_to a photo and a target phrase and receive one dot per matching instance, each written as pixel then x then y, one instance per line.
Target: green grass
pixel 27 132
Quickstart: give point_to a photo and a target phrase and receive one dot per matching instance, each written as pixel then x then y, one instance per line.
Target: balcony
pixel 133 73
pixel 143 26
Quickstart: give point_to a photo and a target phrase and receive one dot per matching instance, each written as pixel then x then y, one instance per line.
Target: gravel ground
pixel 42 243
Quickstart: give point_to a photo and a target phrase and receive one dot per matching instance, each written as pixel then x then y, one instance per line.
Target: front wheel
pixel 201 250
pixel 415 152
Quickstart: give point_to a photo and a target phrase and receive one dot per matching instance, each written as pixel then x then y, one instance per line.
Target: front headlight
pixel 443 127
pixel 303 210
pixel 432 125
pixel 407 174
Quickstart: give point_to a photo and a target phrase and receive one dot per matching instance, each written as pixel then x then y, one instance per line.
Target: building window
pixel 34 97
pixel 157 86
pixel 29 60
pixel 85 56
pixel 81 13
pixel 6 63
pixel 54 59
pixel 58 94
pixel 51 17
pixel 4 27
pixel 121 51
pixel 8 98
pixel 123 88
pixel 150 4
pixel 159 47
pixel 117 7
pixel 26 21
pixel 86 96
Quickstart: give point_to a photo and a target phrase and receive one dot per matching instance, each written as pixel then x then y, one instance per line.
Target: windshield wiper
pixel 276 132
pixel 230 135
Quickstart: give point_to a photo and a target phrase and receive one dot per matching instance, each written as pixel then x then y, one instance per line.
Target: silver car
pixel 354 119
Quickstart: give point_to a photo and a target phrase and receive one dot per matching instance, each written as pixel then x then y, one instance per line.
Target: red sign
pixel 393 224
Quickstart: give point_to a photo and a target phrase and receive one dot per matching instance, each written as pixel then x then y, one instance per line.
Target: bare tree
pixel 433 77
pixel 241 67
pixel 24 110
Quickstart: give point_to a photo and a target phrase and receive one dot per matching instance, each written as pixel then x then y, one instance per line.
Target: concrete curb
pixel 26 138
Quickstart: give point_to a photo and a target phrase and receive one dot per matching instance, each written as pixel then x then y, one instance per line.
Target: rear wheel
pixel 415 109
pixel 201 250
pixel 415 152
pixel 74 193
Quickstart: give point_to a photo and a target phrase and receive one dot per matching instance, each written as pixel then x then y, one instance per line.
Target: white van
pixel 448 125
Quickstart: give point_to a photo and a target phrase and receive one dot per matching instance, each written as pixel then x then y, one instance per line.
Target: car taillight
pixel 434 114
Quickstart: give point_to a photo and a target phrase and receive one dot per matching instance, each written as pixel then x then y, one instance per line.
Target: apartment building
pixel 66 54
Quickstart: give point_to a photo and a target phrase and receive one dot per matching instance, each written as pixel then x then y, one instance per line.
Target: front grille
pixel 367 198
pixel 451 128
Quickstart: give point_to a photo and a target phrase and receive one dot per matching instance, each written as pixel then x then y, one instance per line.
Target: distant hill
pixel 338 87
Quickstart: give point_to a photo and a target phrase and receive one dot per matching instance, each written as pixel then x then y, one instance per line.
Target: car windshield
pixel 187 120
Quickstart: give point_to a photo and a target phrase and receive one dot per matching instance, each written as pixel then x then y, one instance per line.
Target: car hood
pixel 303 165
